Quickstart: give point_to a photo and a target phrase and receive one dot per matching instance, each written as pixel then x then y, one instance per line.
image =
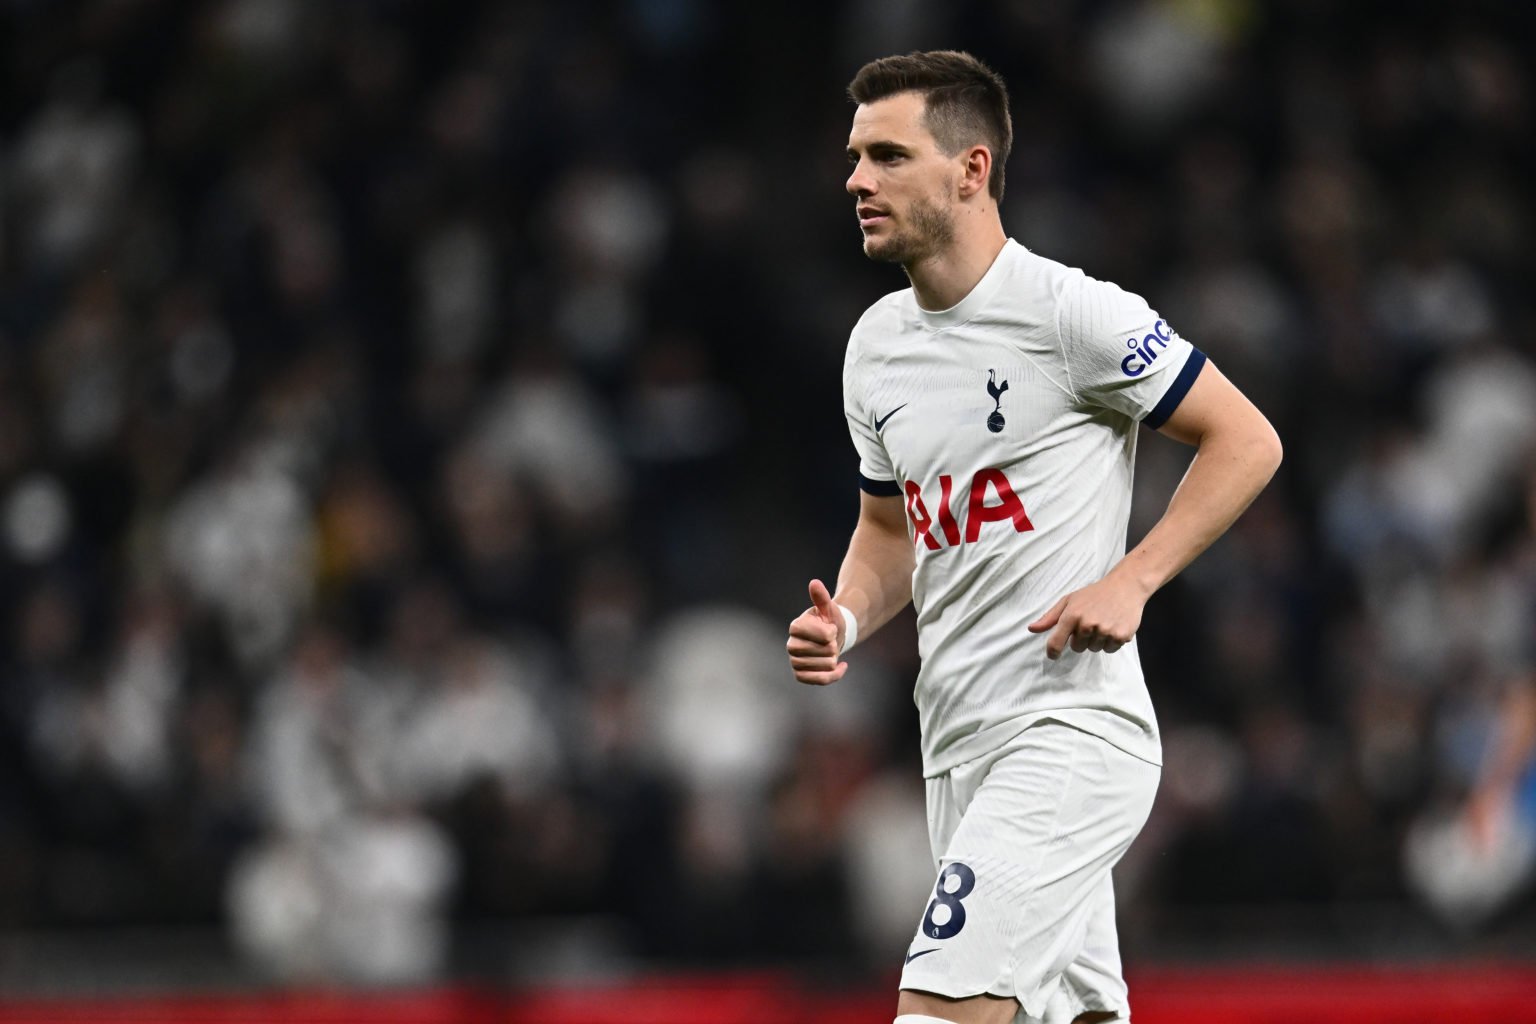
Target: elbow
pixel 1269 450
pixel 1255 450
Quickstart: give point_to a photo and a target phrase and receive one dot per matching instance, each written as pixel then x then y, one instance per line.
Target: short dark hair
pixel 966 101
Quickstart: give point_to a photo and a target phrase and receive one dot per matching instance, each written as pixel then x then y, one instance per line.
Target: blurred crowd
pixel 418 423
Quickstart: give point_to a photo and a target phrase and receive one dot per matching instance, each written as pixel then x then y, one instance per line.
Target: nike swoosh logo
pixel 880 423
pixel 923 952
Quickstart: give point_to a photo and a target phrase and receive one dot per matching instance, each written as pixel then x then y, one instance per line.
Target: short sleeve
pixel 1121 354
pixel 875 473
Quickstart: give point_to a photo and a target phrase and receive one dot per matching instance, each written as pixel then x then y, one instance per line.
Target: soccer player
pixel 994 405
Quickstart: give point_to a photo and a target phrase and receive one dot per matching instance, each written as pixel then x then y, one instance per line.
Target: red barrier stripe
pixel 1504 994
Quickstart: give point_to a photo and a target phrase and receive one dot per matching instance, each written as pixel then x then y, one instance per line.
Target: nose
pixel 859 182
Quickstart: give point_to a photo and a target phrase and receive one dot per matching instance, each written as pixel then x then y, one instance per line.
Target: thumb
pixel 822 601
pixel 1049 619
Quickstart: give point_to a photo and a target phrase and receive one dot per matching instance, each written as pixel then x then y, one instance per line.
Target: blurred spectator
pixel 363 903
pixel 73 167
pixel 1470 865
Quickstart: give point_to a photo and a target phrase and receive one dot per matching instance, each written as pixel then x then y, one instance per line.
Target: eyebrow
pixel 880 146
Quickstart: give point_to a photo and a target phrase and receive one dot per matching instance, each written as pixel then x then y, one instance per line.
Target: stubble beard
pixel 931 230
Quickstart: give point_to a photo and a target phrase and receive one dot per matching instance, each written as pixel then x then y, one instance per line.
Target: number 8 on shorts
pixel 946 915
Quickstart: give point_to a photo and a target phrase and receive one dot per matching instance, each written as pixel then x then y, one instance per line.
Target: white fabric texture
pixel 1025 841
pixel 1008 424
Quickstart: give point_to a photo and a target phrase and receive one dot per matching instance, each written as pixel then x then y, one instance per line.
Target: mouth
pixel 870 216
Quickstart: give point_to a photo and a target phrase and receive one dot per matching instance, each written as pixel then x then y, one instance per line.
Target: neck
pixel 943 279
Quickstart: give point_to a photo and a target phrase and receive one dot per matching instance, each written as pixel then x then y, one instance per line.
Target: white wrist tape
pixel 850 629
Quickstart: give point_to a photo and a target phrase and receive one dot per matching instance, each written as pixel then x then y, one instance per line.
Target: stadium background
pixel 419 420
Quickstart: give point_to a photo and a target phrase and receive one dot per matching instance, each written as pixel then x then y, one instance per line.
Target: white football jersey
pixel 1007 424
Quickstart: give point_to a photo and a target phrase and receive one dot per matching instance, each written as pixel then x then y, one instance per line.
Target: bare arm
pixel 1516 743
pixel 874 584
pixel 1491 800
pixel 1237 451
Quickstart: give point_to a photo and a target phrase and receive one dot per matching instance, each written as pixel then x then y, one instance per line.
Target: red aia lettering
pixel 946 517
pixel 1011 507
pixel 1008 507
pixel 918 513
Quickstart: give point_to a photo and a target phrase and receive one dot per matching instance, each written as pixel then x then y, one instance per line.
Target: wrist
pixel 850 629
pixel 1139 578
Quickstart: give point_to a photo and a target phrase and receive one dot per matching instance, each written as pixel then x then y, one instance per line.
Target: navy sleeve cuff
pixel 1176 391
pixel 879 488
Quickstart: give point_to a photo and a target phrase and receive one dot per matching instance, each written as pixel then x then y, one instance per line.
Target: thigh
pixel 1012 905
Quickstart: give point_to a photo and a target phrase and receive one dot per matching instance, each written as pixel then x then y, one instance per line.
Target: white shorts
pixel 1025 839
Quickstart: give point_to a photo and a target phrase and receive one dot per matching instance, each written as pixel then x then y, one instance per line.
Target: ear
pixel 976 171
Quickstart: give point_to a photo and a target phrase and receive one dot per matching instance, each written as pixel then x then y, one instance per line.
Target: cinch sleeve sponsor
pixel 875 473
pixel 1120 353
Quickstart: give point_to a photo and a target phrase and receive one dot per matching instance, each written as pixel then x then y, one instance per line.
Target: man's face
pixel 904 184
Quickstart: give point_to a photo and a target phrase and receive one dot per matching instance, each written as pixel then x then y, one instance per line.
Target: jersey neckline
pixel 976 298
